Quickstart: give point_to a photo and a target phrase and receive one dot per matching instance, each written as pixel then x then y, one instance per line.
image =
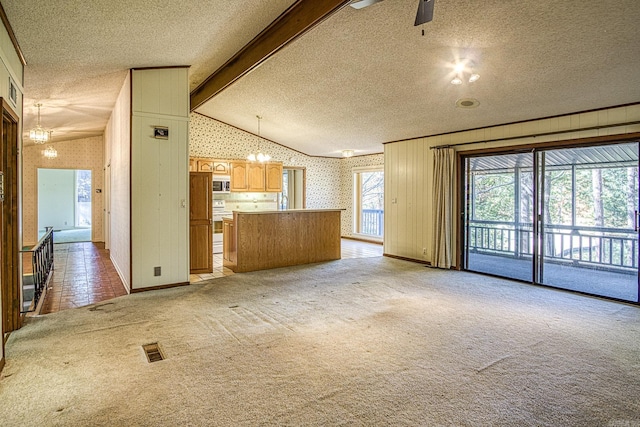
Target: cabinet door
pixel 238 172
pixel 273 175
pixel 193 165
pixel 220 168
pixel 205 165
pixel 256 176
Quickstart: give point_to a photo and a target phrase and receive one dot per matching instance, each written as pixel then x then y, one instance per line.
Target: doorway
pixel 565 217
pixel 293 188
pixel 64 203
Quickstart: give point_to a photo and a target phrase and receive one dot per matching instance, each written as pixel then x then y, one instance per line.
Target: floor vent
pixel 153 352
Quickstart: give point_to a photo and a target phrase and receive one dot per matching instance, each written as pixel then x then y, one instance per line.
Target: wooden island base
pixel 263 240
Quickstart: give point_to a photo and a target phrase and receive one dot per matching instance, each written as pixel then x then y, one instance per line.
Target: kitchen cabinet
pixel 273 177
pixel 239 175
pixel 255 173
pixel 193 165
pixel 256 177
pixel 205 165
pixel 221 168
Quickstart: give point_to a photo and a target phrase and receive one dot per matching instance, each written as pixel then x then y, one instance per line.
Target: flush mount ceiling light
pixel 39 135
pixel 462 68
pixel 50 153
pixel 259 157
pixel 347 153
pixel 467 103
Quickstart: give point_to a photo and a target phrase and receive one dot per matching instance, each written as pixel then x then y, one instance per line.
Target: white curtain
pixel 443 179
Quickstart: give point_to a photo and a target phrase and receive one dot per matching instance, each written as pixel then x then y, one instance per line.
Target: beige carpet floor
pixel 356 342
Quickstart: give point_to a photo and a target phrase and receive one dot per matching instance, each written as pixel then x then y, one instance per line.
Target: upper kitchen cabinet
pixel 273 177
pixel 256 176
pixel 221 168
pixel 239 176
pixel 205 165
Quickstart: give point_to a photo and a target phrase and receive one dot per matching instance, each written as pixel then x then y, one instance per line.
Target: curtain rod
pixel 535 135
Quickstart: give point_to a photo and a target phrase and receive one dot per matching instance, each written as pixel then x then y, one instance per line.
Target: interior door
pixel 201 222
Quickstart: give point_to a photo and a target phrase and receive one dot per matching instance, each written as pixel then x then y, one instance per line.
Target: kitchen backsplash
pixel 249 201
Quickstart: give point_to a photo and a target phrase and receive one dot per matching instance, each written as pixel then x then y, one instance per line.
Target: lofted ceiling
pixel 358 79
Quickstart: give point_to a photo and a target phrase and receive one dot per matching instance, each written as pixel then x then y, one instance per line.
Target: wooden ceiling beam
pixel 302 16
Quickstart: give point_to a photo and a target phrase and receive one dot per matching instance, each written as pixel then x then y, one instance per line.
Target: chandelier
pixel 50 153
pixel 38 134
pixel 259 157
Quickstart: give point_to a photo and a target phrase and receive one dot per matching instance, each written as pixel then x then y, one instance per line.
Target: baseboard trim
pixel 125 285
pixel 418 261
pixel 360 239
pixel 156 288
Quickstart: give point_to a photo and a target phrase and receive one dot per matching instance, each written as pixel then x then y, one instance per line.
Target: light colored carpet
pixel 358 342
pixel 72 235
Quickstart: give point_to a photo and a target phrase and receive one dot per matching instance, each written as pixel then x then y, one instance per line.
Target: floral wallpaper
pixel 86 153
pixel 329 181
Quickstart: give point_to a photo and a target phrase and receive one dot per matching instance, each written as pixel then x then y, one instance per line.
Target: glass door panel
pixel 499 215
pixel 589 238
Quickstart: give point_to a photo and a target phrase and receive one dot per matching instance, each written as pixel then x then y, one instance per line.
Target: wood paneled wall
pixel 408 166
pixel 407 199
pixel 118 190
pixel 159 178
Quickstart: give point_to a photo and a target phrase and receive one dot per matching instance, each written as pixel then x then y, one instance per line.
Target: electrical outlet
pixel 424 251
pixel 157 271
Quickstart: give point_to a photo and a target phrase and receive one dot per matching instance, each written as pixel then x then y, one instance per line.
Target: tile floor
pixel 84 273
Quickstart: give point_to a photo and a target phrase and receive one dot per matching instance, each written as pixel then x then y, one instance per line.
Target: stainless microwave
pixel 221 184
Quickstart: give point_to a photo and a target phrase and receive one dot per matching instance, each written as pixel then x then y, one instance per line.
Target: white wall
pixel 408 169
pixel 56 198
pixel 159 178
pixel 117 160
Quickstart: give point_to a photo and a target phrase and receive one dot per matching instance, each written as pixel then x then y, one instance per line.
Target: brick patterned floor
pixel 83 274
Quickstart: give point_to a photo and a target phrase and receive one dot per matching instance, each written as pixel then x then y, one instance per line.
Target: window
pixel 368 184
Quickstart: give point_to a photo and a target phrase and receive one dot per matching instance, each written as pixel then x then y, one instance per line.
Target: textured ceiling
pixel 361 78
pixel 78 52
pixel 368 76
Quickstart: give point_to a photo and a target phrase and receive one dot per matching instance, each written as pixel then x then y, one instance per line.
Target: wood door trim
pixel 299 18
pixel 10 259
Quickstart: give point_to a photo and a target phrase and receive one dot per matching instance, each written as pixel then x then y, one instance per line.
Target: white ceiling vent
pixel 467 103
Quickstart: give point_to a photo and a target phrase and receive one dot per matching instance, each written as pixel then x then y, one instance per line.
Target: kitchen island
pixel 260 240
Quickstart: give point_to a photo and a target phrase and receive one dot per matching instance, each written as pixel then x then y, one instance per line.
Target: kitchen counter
pixel 259 240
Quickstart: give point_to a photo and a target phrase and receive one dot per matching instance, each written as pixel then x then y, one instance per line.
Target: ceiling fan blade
pixel 425 12
pixel 360 4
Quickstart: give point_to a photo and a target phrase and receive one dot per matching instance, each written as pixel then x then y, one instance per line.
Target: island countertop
pixel 260 240
pixel 255 212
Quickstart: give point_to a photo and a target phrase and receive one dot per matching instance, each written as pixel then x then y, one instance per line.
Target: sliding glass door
pixel 499 227
pixel 565 217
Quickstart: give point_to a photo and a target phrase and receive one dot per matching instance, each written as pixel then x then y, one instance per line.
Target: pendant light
pixel 39 135
pixel 259 157
pixel 50 152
